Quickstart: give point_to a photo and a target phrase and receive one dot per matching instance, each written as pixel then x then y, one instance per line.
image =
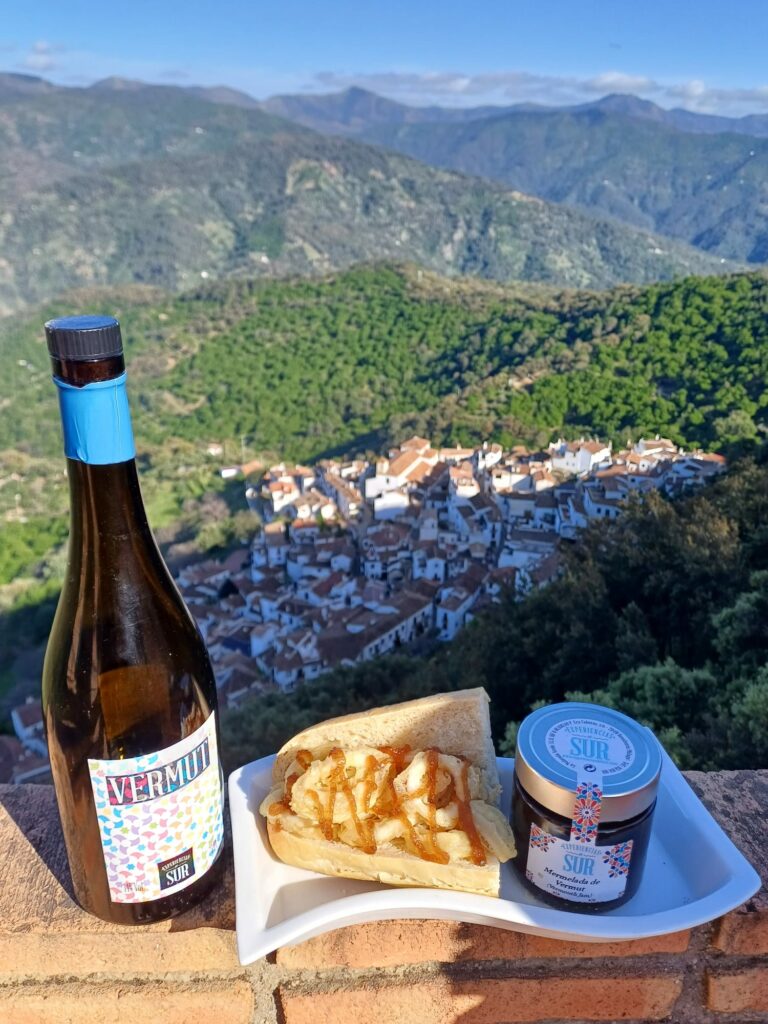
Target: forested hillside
pixel 300 369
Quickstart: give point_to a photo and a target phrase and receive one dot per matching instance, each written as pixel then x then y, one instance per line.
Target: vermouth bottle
pixel 129 697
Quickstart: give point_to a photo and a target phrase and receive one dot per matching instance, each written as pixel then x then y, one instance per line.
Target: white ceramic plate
pixel 693 874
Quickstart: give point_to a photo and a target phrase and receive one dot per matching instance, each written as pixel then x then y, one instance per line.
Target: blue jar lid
pixel 561 744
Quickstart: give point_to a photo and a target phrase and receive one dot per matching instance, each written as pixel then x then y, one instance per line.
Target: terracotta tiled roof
pixel 29 714
pixel 710 457
pixel 275 540
pixel 546 499
pixel 462 471
pixel 547 569
pixel 324 587
pixel 542 537
pixel 419 472
pixel 403 462
pixel 504 575
pixel 416 444
pixel 436 477
pixel 423 586
pixel 594 447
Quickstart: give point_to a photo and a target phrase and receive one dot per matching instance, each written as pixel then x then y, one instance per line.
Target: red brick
pixel 123 954
pixel 743 932
pixel 94 1004
pixel 443 1001
pixel 739 991
pixel 392 943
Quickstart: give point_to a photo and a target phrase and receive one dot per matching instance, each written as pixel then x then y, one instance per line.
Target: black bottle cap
pixel 84 337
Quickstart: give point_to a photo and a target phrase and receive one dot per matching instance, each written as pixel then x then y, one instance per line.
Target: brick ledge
pixel 59 965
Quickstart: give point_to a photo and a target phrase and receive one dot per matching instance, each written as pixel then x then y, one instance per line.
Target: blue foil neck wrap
pixel 96 421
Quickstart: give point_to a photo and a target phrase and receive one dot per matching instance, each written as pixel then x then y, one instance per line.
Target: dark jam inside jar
pixel 526 812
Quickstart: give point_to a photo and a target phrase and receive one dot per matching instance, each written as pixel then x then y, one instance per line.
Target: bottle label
pixel 160 816
pixel 577 871
pixel 96 421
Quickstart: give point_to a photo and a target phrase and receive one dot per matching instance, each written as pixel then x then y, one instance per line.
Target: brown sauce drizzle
pixel 466 820
pixel 290 782
pixel 369 781
pixel 447 796
pixel 325 827
pixel 430 850
pixel 389 803
pixel 398 755
pixel 430 798
pixel 304 757
pixel 339 783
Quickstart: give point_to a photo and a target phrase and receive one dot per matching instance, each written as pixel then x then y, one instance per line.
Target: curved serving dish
pixel 693 874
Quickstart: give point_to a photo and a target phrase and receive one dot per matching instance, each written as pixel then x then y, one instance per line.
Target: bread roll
pixel 456 723
pixel 425 817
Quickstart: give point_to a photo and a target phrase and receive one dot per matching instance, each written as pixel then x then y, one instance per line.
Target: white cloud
pixel 693 91
pixel 40 56
pixel 436 86
pixel 418 87
pixel 617 81
pixel 509 87
pixel 696 95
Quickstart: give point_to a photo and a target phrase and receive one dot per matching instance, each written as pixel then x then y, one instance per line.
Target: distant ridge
pixel 213 93
pixel 124 183
pixel 116 84
pixel 621 156
pixel 351 111
pixel 13 84
pixel 353 108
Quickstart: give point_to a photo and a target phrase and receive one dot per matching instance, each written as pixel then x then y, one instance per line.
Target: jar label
pixel 580 742
pixel 576 871
pixel 160 816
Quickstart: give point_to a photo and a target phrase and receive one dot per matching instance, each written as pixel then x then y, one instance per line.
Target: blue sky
pixel 706 55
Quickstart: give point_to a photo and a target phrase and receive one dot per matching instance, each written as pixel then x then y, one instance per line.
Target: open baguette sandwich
pixel 406 795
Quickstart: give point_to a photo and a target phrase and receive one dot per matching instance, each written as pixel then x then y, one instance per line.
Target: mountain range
pixel 698 178
pixel 354 110
pixel 124 182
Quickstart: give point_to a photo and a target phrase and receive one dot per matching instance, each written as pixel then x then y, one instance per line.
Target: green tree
pixel 748 734
pixel 741 629
pixel 635 643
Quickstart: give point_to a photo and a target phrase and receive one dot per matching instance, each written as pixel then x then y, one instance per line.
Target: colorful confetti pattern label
pixel 160 816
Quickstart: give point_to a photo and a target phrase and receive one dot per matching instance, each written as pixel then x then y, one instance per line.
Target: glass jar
pixel 585 786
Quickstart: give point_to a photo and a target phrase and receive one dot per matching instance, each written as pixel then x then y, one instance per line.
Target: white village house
pixel 357 559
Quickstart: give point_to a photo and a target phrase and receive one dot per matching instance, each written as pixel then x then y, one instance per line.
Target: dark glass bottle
pixel 129 696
